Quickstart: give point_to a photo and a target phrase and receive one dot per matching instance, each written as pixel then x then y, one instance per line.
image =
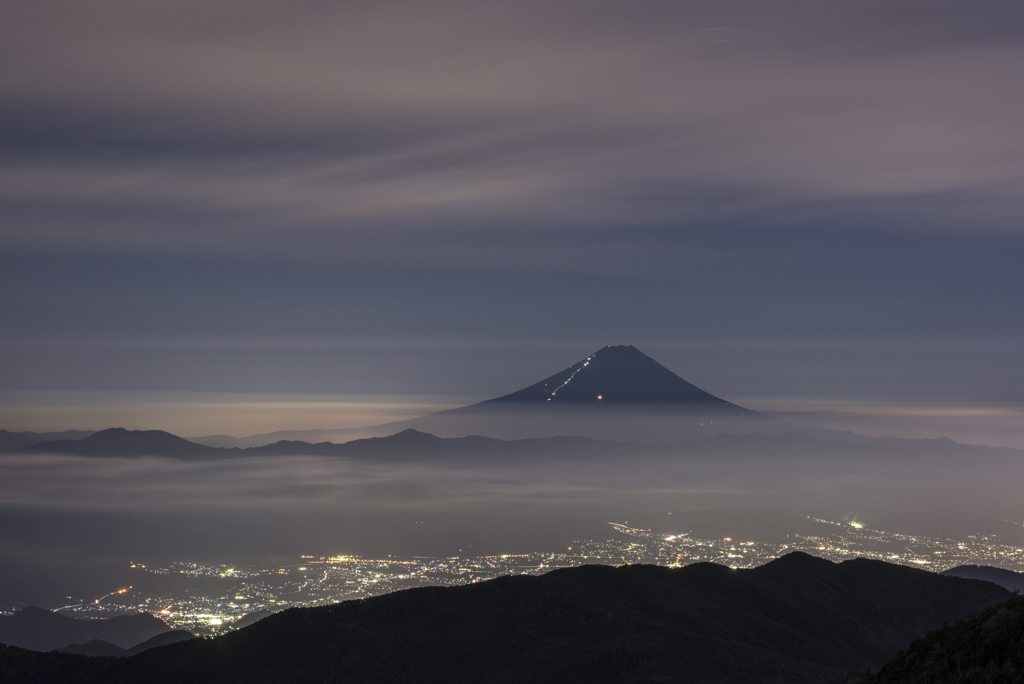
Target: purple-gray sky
pixel 240 217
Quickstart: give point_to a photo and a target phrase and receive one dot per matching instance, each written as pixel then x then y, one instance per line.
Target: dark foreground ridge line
pixel 796 619
pixel 987 647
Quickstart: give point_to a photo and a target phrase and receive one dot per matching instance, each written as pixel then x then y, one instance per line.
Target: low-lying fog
pixel 58 510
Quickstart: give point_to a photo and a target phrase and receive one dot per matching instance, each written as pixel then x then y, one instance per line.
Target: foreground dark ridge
pixel 987 648
pixel 797 619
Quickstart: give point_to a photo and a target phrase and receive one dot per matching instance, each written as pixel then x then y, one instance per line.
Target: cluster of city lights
pixel 212 599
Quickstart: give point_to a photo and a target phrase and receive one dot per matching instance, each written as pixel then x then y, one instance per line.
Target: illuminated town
pixel 213 599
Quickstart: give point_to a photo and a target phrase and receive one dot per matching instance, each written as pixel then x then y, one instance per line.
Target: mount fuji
pixel 617 393
pixel 619 375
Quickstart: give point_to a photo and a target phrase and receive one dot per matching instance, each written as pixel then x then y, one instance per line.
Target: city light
pixel 231 593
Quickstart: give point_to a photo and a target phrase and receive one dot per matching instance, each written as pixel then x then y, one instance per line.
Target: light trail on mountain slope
pixel 585 364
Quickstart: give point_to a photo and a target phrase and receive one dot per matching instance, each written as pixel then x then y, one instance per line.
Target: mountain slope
pixel 797 619
pixel 616 381
pixel 415 446
pixel 987 648
pixel 616 393
pixel 614 375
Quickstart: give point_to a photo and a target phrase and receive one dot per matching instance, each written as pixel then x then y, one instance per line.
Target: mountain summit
pixel 614 374
pixel 616 393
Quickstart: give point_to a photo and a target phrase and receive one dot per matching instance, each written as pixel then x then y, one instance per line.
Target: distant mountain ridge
pixel 99 648
pixel 38 629
pixel 796 619
pixel 1007 579
pixel 11 441
pixel 415 446
pixel 616 393
pixel 122 442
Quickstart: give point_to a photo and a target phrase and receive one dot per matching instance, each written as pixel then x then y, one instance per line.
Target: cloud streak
pixel 347 121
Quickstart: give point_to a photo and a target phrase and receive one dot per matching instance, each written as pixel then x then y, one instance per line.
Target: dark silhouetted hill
pixel 99 648
pixel 797 619
pixel 121 442
pixel 12 441
pixel 94 649
pixel 987 648
pixel 38 629
pixel 1007 579
pixel 252 618
pixel 165 639
pixel 22 666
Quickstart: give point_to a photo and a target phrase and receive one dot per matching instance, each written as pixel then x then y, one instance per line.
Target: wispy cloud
pixel 318 120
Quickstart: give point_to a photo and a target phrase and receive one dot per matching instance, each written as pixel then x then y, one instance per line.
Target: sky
pixel 227 217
